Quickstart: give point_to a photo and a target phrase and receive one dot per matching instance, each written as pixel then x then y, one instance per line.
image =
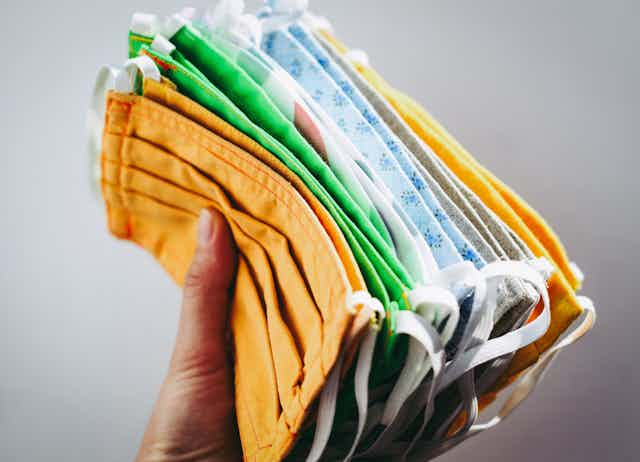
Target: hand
pixel 193 419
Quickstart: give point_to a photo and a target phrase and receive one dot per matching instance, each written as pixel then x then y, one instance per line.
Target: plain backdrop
pixel 545 93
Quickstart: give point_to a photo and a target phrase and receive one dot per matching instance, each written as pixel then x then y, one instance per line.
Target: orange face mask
pixel 290 312
pixel 166 95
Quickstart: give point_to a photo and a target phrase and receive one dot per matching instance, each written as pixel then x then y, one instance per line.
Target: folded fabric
pixel 139 157
pixel 565 306
pixel 388 285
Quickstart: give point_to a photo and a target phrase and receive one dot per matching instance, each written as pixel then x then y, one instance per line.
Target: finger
pixel 200 343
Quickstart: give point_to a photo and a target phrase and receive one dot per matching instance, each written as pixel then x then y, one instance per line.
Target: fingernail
pixel 205 227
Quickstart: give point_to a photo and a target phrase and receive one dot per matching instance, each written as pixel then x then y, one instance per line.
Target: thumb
pixel 200 343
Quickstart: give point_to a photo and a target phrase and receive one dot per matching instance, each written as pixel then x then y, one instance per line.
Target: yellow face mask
pixel 290 312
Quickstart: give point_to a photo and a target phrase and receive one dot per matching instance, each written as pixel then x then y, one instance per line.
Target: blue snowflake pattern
pixel 386 163
pixel 296 31
pixel 440 215
pixel 469 254
pixel 417 181
pixel 371 117
pixel 409 198
pixel 339 99
pixel 324 63
pixel 434 239
pixel 343 124
pixel 393 146
pixel 346 88
pixel 363 127
pixel 295 69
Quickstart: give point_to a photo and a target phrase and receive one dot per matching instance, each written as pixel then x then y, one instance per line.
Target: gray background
pixel 545 93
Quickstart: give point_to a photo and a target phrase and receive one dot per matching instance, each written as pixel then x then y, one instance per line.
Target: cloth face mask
pixel 323 134
pixel 464 247
pixel 145 143
pixel 332 146
pixel 146 153
pixel 243 91
pixel 515 299
pixel 530 217
pixel 212 99
pixel 301 66
pixel 399 293
pixel 253 100
pixel 564 304
pixel 168 97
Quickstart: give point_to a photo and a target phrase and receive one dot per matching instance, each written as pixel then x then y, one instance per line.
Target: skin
pixel 193 419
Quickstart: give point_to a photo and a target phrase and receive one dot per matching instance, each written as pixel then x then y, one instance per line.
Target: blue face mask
pixel 397 148
pixel 290 55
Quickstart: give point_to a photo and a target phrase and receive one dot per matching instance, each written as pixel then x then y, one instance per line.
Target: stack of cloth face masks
pixel 388 285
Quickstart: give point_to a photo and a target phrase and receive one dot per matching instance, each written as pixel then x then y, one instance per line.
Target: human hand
pixel 193 419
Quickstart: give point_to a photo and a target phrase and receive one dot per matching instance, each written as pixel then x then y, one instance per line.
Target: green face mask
pixel 253 101
pixel 328 139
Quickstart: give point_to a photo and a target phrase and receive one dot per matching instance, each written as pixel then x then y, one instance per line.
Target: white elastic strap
pixel 326 413
pixel 173 24
pixel 105 81
pixel 361 385
pixel 433 303
pixel 328 397
pixel 357 57
pixel 162 45
pixel 485 299
pixel 466 274
pixel 500 346
pixel 413 325
pixel 511 341
pixel 577 272
pixel 126 80
pixel 145 24
pixel 523 387
pixel 536 373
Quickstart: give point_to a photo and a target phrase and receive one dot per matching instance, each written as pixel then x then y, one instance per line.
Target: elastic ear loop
pixel 466 361
pixel 110 78
pixel 410 377
pixel 432 303
pixel 441 304
pixel 523 387
pixel 485 297
pixel 505 344
pixel 480 325
pixel 363 370
pixel 415 326
pixel 126 80
pixel 105 81
pixel 328 397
